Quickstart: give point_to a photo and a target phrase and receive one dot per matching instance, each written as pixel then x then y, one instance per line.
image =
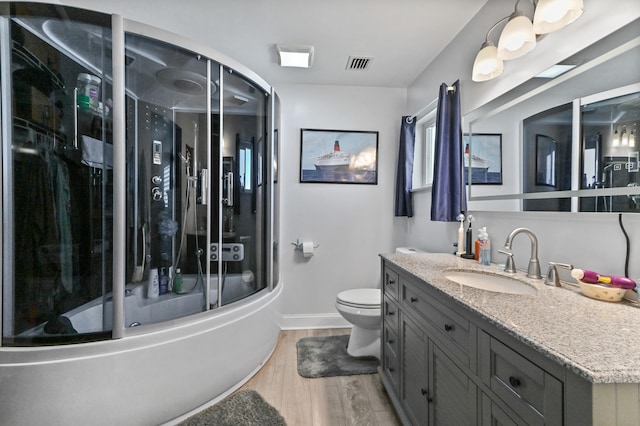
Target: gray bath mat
pixel 327 357
pixel 243 408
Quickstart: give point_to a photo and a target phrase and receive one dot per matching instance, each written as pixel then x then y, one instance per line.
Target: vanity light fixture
pixel 616 139
pixel 624 137
pixel 517 38
pixel 551 15
pixel 295 55
pixel 521 34
pixel 488 65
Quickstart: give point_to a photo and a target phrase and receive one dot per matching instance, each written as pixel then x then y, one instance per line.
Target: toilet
pixel 361 307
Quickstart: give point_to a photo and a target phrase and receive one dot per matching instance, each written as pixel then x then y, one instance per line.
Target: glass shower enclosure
pixel 198 186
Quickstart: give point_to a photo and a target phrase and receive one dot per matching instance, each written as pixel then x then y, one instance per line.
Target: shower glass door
pixel 57 175
pixel 168 152
pixel 245 209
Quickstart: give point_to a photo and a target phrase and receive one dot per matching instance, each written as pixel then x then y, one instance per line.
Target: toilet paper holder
pixel 298 245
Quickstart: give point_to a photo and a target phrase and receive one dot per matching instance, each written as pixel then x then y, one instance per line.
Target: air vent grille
pixel 358 63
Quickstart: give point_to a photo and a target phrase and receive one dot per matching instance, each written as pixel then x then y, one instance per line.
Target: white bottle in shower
pixel 153 286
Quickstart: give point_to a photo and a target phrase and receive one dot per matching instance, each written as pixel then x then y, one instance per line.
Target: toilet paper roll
pixel 307 248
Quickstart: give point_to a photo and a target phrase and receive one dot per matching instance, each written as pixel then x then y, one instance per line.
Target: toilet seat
pixel 362 298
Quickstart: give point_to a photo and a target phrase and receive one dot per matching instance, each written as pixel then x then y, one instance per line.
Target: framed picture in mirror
pixel 482 158
pixel 546 161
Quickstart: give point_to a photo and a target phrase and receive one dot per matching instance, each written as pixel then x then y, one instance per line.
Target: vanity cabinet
pixel 442 364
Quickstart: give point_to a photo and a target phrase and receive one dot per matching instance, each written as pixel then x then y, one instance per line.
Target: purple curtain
pixel 404 172
pixel 448 198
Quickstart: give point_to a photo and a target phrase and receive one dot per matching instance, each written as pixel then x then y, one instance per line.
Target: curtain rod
pixel 423 111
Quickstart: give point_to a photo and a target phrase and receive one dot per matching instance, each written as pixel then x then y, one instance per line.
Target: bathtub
pixel 140 310
pixel 155 374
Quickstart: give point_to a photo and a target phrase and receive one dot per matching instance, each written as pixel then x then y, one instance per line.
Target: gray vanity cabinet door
pixel 454 395
pixel 414 391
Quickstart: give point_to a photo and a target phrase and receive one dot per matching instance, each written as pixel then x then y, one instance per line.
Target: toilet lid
pixel 361 297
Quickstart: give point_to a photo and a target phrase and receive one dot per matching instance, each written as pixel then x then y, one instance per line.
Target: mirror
pixel 567 142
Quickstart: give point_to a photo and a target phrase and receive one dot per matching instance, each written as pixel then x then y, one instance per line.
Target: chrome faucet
pixel 533 271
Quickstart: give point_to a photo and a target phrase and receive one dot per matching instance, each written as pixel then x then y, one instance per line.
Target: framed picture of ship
pixel 338 156
pixel 482 158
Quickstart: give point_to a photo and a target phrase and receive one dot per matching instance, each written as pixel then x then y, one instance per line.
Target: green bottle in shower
pixel 177 281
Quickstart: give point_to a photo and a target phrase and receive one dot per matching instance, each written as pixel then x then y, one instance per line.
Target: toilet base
pixel 364 342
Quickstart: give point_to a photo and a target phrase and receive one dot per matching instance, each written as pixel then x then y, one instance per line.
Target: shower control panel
pixel 157 152
pixel 230 252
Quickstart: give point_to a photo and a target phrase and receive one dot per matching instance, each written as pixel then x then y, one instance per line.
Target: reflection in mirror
pixel 609 154
pixel 588 111
pixel 547 138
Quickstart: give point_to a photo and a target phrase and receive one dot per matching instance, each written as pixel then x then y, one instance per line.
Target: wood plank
pixel 328 401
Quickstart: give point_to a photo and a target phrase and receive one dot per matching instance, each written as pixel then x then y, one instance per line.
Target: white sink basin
pixel 490 282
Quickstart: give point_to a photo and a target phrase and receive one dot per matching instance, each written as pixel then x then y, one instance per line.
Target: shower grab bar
pixel 228 184
pixel 75 118
pixel 204 187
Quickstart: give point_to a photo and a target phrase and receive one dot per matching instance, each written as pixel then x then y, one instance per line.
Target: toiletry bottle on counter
pixel 476 252
pixel 485 248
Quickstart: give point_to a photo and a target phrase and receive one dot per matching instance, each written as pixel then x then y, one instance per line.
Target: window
pixel 424 150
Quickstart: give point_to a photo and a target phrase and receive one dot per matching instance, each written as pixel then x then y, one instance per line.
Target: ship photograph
pixel 482 158
pixel 337 156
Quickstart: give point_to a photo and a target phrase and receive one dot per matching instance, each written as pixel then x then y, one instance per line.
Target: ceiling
pixel 402 36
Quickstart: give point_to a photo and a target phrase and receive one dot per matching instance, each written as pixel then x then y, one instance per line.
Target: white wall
pixel 351 223
pixel 589 241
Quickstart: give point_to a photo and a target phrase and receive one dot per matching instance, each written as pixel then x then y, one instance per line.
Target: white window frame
pixel 424 149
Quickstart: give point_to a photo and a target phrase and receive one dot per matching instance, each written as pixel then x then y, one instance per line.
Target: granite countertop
pixel 598 340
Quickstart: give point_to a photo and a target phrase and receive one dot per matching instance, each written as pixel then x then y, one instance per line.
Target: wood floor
pixel 330 401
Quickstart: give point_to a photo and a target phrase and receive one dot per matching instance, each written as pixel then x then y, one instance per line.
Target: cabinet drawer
pixel 454 331
pixel 391 369
pixel 390 283
pixel 390 314
pixel 535 395
pixel 390 338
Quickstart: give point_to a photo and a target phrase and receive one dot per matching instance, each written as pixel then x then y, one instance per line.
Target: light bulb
pixel 616 139
pixel 632 139
pixel 624 139
pixel 551 15
pixel 517 38
pixel 487 64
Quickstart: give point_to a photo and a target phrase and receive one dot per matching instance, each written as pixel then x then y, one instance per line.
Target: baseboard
pixel 304 321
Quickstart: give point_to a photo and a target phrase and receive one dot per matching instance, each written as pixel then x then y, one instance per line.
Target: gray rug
pixel 243 408
pixel 328 357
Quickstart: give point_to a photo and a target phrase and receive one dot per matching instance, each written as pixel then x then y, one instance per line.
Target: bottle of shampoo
pixel 153 286
pixel 177 281
pixel 163 281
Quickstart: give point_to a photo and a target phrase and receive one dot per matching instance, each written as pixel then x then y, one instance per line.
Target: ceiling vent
pixel 358 63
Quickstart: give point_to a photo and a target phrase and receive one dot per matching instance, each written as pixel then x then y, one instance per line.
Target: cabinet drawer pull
pixel 391 369
pixel 413 299
pixel 390 313
pixel 514 382
pixel 425 392
pixel 392 282
pixel 390 341
pixel 448 327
